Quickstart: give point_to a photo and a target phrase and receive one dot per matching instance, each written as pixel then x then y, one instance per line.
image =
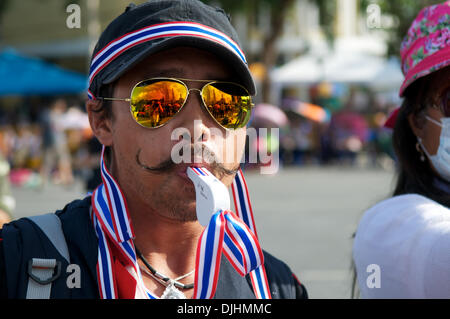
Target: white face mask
pixel 441 160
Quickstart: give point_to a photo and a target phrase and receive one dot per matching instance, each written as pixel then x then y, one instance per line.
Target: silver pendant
pixel 172 292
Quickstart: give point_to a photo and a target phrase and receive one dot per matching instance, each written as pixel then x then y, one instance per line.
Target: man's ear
pixel 416 125
pixel 101 124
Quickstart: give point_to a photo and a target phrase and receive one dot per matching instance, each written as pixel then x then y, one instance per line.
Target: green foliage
pixel 3 6
pixel 327 15
pixel 404 11
pixel 232 6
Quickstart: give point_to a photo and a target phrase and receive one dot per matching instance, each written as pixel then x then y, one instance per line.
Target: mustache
pixel 208 155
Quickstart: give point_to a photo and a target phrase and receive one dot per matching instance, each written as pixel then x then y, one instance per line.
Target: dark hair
pixel 105 106
pixel 414 175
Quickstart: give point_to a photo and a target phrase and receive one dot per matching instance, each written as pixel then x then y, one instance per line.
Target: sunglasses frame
pixel 188 90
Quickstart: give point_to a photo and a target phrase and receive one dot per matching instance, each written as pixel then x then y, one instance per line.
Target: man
pixel 138 235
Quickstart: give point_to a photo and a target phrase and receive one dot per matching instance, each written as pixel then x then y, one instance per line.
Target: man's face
pixel 167 190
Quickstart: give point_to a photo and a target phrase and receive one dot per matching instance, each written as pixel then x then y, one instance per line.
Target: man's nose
pixel 196 118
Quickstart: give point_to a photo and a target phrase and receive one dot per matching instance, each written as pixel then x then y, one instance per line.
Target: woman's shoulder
pixel 402 221
pixel 408 236
pixel 403 216
pixel 407 200
pixel 405 208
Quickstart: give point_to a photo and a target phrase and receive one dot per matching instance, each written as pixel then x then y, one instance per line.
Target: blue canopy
pixel 22 75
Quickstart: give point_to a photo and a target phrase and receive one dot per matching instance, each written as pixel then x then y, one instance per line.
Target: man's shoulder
pixel 75 208
pixel 282 281
pixel 23 239
pixel 73 215
pixel 77 211
pixel 276 265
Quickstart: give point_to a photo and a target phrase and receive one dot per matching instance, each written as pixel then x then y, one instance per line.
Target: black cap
pixel 160 25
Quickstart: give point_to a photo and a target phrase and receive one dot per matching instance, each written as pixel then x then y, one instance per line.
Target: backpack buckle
pixel 44 271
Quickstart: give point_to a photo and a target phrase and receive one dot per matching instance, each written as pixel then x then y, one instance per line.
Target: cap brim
pixel 430 64
pixel 129 59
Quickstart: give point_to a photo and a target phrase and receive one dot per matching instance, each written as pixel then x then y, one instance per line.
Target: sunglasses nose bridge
pixel 195 89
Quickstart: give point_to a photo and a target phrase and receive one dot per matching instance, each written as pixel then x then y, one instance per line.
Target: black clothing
pixel 22 240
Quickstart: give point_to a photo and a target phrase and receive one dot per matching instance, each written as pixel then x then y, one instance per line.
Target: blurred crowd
pixel 53 142
pixel 337 126
pixel 56 145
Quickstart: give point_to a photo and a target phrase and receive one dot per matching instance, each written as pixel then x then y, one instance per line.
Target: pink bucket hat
pixel 425 48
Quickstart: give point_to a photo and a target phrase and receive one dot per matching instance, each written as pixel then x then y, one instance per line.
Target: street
pixel 304 216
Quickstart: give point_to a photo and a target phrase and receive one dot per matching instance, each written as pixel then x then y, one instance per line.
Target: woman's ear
pixel 416 125
pixel 101 124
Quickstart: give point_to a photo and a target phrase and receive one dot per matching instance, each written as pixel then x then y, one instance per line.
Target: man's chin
pixel 184 208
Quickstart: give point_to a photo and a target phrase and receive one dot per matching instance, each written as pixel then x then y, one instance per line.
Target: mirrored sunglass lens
pixel 155 102
pixel 228 103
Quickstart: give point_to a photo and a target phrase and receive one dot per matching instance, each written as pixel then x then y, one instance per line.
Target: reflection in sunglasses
pixel 155 103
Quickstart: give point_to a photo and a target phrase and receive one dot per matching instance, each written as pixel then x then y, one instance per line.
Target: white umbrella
pixel 357 68
pixel 74 119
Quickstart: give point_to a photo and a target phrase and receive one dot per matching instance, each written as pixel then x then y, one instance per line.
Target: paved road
pixel 305 217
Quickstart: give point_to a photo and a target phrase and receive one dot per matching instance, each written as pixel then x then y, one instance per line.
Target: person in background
pixel 7 201
pixel 94 178
pixel 402 244
pixel 55 149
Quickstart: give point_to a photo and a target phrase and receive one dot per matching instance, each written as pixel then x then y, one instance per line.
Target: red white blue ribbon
pixel 226 233
pixel 113 227
pixel 152 32
pixel 244 211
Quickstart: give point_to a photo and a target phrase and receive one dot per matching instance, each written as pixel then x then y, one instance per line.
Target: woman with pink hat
pixel 402 244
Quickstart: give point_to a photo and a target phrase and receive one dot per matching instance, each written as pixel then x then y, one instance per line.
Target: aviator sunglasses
pixel 155 101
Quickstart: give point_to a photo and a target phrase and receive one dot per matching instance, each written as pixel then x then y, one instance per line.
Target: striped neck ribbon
pixel 157 31
pixel 234 235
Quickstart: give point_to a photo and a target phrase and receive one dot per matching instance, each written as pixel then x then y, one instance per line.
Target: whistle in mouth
pixel 211 194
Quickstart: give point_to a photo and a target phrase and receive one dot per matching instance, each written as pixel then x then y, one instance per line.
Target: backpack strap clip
pixel 43 272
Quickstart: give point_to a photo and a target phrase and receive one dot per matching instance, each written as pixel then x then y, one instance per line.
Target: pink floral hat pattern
pixel 426 47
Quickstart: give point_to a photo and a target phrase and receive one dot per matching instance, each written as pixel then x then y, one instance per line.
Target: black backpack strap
pixel 50 224
pixel 33 264
pixel 43 272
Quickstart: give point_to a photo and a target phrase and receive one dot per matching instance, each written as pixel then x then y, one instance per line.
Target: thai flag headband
pixel 163 30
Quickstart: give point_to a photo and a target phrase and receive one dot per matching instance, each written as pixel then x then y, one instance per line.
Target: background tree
pixel 404 12
pixel 277 12
pixel 3 8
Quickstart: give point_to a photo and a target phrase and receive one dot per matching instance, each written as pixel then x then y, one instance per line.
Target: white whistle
pixel 211 194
